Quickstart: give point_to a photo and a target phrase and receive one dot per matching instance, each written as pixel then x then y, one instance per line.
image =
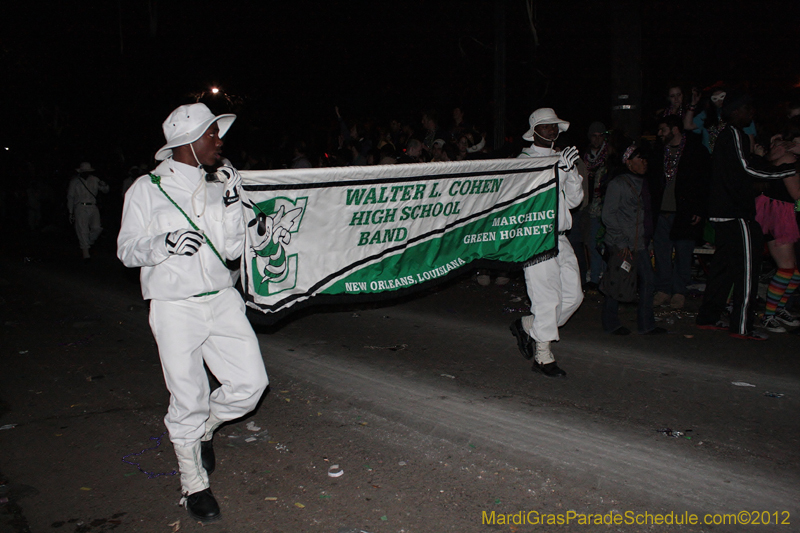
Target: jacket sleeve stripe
pixel 761 174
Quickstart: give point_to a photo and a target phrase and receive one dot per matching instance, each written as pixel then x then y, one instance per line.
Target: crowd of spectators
pixel 429 140
pixel 717 179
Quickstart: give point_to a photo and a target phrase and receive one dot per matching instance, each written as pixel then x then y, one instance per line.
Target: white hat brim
pixel 224 121
pixel 563 126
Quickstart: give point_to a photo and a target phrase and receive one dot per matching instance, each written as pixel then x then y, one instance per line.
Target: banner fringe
pixel 540 258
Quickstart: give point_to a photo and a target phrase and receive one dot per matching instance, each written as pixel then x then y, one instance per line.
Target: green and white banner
pixel 374 232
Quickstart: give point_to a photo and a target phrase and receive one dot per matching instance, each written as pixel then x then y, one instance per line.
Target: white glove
pixel 567 158
pixel 184 241
pixel 232 180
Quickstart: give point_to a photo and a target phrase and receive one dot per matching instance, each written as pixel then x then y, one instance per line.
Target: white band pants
pixel 554 288
pixel 213 329
pixel 87 225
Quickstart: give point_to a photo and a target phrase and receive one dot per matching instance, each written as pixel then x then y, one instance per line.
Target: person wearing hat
pixel 554 285
pixel 182 227
pixel 437 151
pixel 628 218
pixel 82 205
pixel 732 210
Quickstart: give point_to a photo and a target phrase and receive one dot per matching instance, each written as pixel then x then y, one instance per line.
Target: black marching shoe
pixel 524 341
pixel 550 370
pixel 207 456
pixel 203 506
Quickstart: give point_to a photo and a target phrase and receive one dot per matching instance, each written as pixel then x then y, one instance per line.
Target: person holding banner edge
pixel 182 226
pixel 554 284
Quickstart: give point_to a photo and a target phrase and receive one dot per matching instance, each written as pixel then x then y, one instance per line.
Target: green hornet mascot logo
pixel 269 231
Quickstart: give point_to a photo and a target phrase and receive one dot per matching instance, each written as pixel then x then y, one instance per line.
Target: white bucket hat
pixel 545 115
pixel 187 124
pixel 85 167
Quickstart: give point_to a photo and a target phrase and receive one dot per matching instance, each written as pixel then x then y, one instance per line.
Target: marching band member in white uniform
pixel 554 285
pixel 182 230
pixel 82 206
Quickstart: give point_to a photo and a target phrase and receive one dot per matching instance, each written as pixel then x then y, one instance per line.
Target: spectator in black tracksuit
pixel 732 210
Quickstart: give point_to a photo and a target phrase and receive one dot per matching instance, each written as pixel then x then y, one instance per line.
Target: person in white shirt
pixel 554 285
pixel 82 205
pixel 183 226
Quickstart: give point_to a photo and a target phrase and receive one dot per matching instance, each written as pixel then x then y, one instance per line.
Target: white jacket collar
pixel 195 180
pixel 538 151
pixel 191 173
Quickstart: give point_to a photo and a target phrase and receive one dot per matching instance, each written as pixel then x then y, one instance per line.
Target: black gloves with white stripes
pixel 184 241
pixel 232 180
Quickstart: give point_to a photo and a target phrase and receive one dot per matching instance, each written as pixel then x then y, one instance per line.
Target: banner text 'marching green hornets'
pixel 377 231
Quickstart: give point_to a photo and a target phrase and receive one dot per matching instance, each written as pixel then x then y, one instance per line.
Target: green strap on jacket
pixel 157 180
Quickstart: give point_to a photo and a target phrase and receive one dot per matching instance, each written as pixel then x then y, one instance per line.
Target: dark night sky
pixel 91 78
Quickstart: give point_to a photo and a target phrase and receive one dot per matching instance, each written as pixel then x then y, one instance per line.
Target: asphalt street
pixel 424 405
